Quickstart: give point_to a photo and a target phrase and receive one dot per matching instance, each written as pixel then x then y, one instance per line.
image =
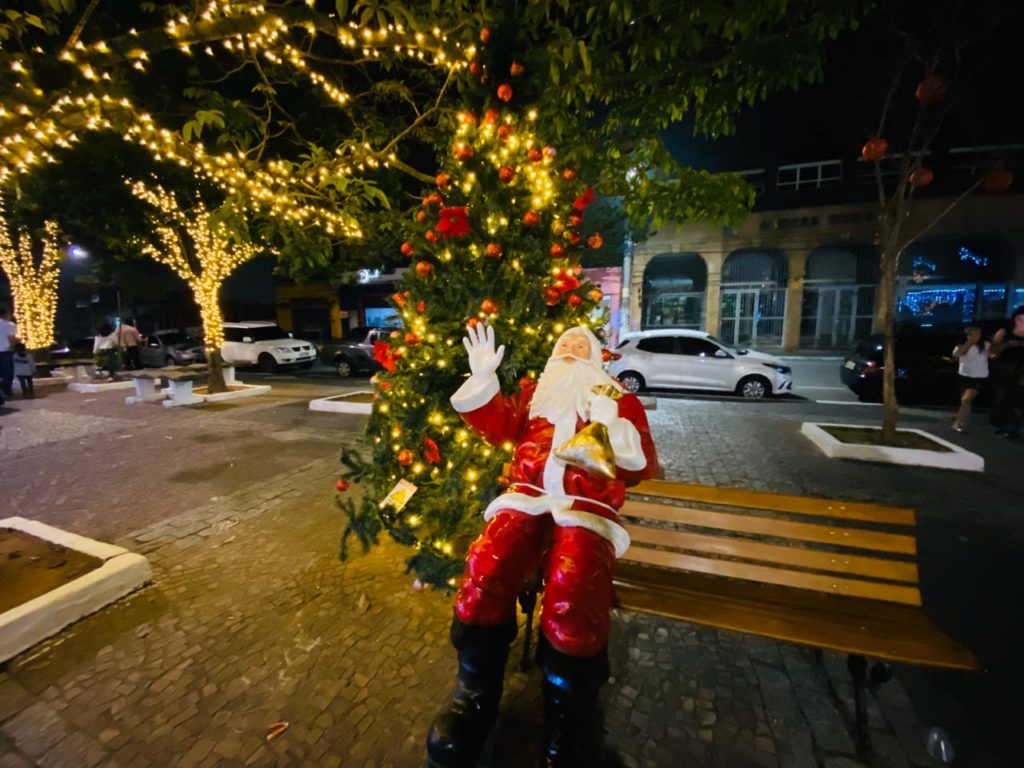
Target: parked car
pixel 76 350
pixel 354 353
pixel 265 344
pixel 171 348
pixel 925 367
pixel 684 359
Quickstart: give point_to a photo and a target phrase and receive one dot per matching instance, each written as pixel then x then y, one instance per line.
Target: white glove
pixel 603 410
pixel 479 344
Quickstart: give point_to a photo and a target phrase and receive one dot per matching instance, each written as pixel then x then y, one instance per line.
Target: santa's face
pixel 570 346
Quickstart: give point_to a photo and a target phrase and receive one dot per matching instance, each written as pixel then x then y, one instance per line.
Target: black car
pixel 354 353
pixel 925 367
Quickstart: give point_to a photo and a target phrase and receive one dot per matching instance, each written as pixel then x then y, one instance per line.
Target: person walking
pixel 24 370
pixel 1008 350
pixel 104 347
pixel 129 338
pixel 972 372
pixel 8 339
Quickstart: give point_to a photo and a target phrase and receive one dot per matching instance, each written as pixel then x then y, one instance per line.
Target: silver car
pixel 171 348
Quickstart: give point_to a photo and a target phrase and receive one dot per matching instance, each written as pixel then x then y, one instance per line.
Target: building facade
pixel 800 273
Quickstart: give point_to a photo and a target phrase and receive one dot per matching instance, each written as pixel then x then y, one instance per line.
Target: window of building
pixel 827 173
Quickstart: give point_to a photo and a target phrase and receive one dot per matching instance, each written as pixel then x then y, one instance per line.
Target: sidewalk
pixel 252 620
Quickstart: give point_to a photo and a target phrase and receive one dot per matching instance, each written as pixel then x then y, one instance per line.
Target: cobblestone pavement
pixel 251 619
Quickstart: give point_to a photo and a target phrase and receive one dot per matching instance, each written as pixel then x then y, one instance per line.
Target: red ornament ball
pixel 491 116
pixel 472 322
pixel 875 148
pixel 557 251
pixel 595 241
pixel 475 67
pixel 411 339
pixel 574 238
pixel 505 92
pixel 933 88
pixel 399 299
pixel 485 35
pixel 407 249
pixel 574 300
pixel 405 457
pixel 424 268
pixel 433 199
pixel 506 173
pixel 575 218
pixel 421 215
pixel 342 485
pixel 463 152
pixel 531 218
pixel 596 295
pixel 552 296
pixel 421 306
pixel 430 236
pixel 493 250
pixel 998 180
pixel 577 269
pixel 535 154
pixel 516 69
pixel 442 180
pixel 569 174
pixel 488 307
pixel 505 131
pixel 922 177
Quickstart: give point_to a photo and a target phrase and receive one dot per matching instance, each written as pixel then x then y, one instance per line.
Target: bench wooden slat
pixel 777 502
pixel 888 631
pixel 837 585
pixel 786 529
pixel 815 559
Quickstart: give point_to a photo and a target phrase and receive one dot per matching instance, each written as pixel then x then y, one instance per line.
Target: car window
pixel 233 334
pixel 689 345
pixel 357 334
pixel 265 333
pixel 664 345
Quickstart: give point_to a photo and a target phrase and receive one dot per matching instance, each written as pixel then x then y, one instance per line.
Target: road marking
pixel 803 387
pixel 809 359
pixel 844 402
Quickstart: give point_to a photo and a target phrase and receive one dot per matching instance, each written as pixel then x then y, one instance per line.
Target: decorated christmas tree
pixel 497 241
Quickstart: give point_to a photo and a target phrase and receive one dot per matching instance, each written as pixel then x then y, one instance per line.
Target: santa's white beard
pixel 565 388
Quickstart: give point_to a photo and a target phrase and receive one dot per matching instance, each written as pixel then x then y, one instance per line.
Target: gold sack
pixel 590 448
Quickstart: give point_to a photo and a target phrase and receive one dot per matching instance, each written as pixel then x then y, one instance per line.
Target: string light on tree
pixel 33 281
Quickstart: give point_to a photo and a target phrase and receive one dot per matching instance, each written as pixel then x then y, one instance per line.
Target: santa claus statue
pixel 556 518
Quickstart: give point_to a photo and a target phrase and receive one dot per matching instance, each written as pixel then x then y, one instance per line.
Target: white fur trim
pixel 625 440
pixel 554 467
pixel 475 393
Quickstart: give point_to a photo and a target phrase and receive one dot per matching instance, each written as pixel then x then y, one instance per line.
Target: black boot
pixel 459 732
pixel 572 731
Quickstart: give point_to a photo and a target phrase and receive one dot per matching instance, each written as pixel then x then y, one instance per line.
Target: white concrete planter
pixel 92 387
pixel 27 624
pixel 343 403
pixel 247 390
pixel 955 458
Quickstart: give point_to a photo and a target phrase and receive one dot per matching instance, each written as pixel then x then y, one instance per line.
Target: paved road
pixel 251 619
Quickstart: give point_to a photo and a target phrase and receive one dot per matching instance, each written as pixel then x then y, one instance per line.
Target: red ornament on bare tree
pixel 998 180
pixel 875 148
pixel 921 178
pixel 933 88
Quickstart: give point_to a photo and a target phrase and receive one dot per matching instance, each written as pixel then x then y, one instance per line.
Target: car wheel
pixel 266 362
pixel 169 361
pixel 343 367
pixel 754 387
pixel 632 381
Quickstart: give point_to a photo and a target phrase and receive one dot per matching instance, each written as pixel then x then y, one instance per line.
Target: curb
pixel 27 624
pixel 957 458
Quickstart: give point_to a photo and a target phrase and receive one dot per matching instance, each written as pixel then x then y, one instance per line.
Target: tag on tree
pixel 399 496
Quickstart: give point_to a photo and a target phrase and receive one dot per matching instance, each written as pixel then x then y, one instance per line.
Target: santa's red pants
pixel 578 567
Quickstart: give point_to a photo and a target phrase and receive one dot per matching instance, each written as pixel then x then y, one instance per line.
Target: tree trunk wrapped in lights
pixel 203 250
pixel 33 281
pixel 495 240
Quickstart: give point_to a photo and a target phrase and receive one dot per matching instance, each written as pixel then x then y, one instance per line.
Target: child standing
pixel 973 370
pixel 24 370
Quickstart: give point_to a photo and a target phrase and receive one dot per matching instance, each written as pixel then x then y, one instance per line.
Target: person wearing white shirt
pixel 973 355
pixel 8 338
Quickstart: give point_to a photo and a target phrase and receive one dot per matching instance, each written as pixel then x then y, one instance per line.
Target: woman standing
pixel 1008 349
pixel 973 356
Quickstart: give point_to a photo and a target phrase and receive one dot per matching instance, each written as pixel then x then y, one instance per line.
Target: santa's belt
pixel 560 508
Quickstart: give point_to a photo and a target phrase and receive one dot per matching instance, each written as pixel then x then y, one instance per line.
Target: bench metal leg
pixel 865 680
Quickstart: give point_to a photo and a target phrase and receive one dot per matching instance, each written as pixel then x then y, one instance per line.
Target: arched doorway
pixel 673 296
pixel 953 279
pixel 839 295
pixel 753 297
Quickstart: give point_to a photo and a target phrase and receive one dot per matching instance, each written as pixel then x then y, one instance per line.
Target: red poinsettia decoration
pixel 584 200
pixel 382 354
pixel 454 222
pixel 431 454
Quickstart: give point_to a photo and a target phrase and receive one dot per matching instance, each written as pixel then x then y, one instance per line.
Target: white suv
pixel 681 359
pixel 266 345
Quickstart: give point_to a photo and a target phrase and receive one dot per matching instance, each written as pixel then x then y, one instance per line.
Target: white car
pixel 266 345
pixel 683 359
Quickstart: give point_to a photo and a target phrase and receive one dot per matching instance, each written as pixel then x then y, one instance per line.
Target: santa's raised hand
pixel 483 358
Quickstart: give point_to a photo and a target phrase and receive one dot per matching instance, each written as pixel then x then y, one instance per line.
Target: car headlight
pixel 777 368
pixel 283 350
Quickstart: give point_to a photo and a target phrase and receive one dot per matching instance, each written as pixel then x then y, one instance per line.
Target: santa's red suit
pixel 554 515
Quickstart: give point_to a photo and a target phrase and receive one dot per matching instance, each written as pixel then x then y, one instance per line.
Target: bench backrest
pixel 843 548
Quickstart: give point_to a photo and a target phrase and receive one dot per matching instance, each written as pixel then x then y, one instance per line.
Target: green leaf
pixel 584 56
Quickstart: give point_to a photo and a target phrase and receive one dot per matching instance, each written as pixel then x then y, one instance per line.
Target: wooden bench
pixel 829 575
